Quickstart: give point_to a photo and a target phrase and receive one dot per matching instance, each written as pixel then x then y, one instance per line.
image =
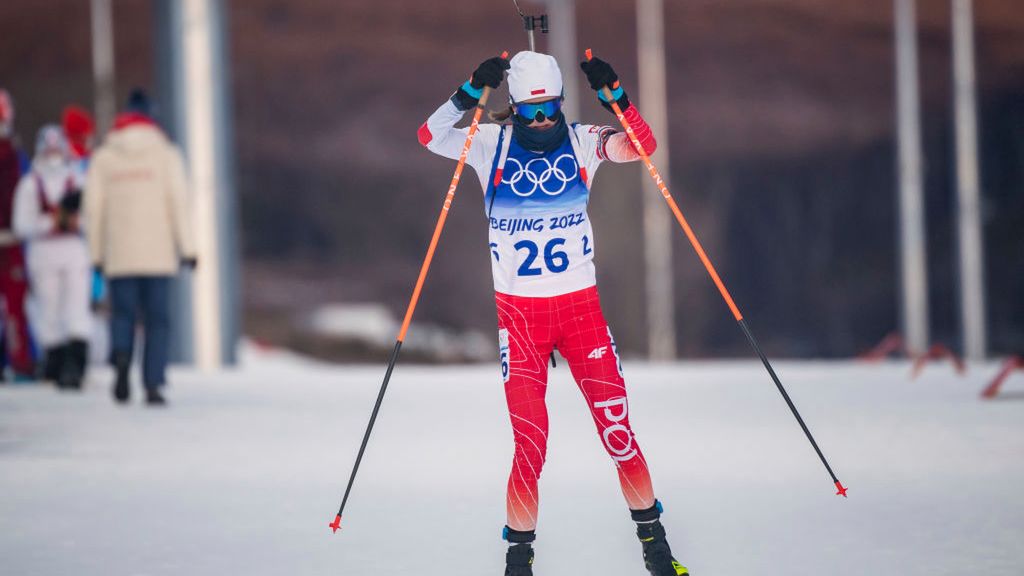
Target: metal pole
pixel 912 238
pixel 562 43
pixel 169 88
pixel 103 64
pixel 969 226
pixel 661 339
pixel 201 76
pixel 227 208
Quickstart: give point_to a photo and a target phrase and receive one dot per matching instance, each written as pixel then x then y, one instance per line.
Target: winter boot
pixel 657 555
pixel 122 364
pixel 54 363
pixel 154 397
pixel 519 558
pixel 72 371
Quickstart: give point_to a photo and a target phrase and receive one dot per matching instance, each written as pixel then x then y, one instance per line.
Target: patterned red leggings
pixel 529 328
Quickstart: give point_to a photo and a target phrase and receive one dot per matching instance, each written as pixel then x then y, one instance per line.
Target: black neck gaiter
pixel 539 140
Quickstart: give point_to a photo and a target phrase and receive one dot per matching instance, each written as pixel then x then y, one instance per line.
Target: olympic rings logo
pixel 539 172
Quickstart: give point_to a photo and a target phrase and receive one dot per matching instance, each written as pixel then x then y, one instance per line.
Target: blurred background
pixel 855 170
pixel 781 131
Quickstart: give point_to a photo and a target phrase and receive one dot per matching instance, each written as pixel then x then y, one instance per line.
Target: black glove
pixel 490 72
pixel 190 262
pixel 72 202
pixel 600 74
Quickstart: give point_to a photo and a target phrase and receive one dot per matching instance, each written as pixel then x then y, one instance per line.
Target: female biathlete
pixel 536 172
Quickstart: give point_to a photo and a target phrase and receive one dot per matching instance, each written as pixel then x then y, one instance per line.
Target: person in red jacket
pixel 17 344
pixel 535 172
pixel 80 131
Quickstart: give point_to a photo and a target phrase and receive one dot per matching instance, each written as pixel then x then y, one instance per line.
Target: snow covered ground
pixel 242 474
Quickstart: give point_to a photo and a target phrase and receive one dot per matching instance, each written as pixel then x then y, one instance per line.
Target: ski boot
pixel 72 371
pixel 55 358
pixel 519 558
pixel 657 554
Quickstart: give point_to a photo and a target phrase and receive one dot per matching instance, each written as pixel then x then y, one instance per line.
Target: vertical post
pixel 227 205
pixel 657 226
pixel 969 225
pixel 170 113
pixel 201 78
pixel 914 294
pixel 105 93
pixel 562 42
pixel 206 138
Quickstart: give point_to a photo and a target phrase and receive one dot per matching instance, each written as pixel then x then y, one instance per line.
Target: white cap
pixel 50 140
pixel 534 75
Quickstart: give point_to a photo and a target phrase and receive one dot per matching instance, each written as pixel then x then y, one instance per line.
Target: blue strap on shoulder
pixel 494 167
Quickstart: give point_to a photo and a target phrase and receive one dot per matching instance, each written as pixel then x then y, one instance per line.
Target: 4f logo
pixel 598 353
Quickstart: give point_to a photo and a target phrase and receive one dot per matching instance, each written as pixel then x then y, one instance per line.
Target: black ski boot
pixel 54 363
pixel 657 554
pixel 519 558
pixel 122 364
pixel 72 371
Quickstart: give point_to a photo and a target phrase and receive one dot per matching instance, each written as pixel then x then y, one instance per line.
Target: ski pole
pixel 416 294
pixel 840 489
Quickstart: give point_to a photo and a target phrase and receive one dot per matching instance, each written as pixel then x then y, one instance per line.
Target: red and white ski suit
pixel 542 260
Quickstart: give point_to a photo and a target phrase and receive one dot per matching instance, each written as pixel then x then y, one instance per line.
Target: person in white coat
pixel 140 236
pixel 46 217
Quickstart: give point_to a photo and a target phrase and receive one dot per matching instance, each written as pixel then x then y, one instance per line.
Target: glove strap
pixel 616 94
pixel 474 92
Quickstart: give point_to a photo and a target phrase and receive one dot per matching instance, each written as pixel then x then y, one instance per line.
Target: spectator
pixel 80 130
pixel 46 217
pixel 140 235
pixel 14 333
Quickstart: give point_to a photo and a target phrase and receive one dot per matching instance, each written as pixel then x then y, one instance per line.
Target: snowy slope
pixel 245 470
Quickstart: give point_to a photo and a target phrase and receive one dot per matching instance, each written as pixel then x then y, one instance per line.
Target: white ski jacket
pixel 541 240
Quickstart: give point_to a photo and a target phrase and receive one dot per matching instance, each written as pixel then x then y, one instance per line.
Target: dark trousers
pixel 149 295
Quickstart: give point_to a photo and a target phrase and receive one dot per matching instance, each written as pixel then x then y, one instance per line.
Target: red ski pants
pixel 13 290
pixel 528 330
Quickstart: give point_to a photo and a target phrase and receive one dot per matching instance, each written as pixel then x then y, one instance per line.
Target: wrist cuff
pixel 474 92
pixel 463 100
pixel 616 94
